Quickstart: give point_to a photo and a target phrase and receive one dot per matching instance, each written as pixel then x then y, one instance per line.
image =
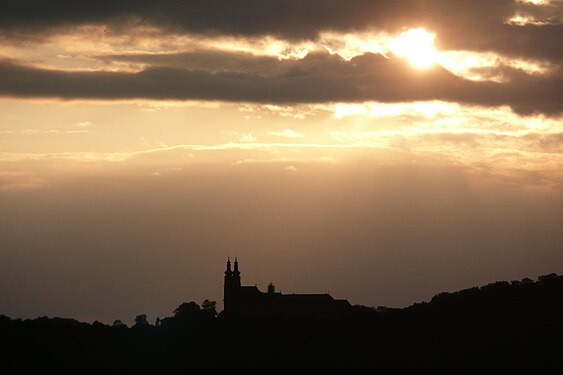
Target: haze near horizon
pixel 381 151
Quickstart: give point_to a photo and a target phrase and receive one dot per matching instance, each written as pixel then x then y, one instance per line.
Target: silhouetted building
pixel 249 301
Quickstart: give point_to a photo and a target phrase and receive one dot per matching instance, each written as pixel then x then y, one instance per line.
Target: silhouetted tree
pixel 97 324
pixel 119 323
pixel 210 308
pixel 551 276
pixel 187 309
pixel 141 321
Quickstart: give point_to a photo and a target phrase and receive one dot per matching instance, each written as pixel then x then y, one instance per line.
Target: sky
pixel 381 151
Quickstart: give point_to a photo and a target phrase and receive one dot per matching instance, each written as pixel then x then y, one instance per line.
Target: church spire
pixel 230 283
pixel 236 274
pixel 229 272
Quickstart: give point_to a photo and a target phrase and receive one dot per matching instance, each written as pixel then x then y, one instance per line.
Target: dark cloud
pixel 318 78
pixel 289 18
pixel 481 25
pixel 471 25
pixel 208 60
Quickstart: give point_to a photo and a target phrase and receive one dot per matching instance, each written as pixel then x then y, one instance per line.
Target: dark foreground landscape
pixel 504 327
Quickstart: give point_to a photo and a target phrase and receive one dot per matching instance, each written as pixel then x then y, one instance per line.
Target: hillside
pixel 501 327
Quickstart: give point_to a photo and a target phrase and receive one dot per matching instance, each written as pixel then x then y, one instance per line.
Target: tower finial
pixel 228 265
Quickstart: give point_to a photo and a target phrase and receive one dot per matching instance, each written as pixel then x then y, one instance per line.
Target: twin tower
pixel 232 284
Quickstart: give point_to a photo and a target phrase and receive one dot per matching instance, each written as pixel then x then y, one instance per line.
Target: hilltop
pixel 500 327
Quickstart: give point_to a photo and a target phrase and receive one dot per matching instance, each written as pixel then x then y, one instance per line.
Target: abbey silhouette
pixel 249 301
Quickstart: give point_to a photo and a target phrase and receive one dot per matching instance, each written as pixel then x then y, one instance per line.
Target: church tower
pixel 231 285
pixel 236 274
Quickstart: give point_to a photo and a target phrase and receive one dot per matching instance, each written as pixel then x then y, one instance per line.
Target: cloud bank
pixel 510 29
pixel 317 78
pixel 479 25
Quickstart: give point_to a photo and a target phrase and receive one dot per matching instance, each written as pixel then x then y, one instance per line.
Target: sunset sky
pixel 382 151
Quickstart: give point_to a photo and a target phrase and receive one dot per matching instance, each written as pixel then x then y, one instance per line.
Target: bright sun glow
pixel 417 45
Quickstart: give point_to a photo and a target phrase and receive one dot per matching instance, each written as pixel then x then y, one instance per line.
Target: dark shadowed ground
pixel 502 328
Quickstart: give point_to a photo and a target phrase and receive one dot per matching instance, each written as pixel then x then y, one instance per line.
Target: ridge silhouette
pixel 507 327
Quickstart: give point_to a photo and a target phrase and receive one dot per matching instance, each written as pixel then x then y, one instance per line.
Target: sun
pixel 416 45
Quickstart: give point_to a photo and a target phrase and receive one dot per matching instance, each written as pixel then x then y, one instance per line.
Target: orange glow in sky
pixel 396 145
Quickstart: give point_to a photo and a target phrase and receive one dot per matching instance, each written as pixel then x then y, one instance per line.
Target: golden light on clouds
pixel 535 2
pixel 266 58
pixel 425 109
pixel 348 46
pixel 87 48
pixel 171 132
pixel 198 135
pixel 520 20
pixel 481 66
